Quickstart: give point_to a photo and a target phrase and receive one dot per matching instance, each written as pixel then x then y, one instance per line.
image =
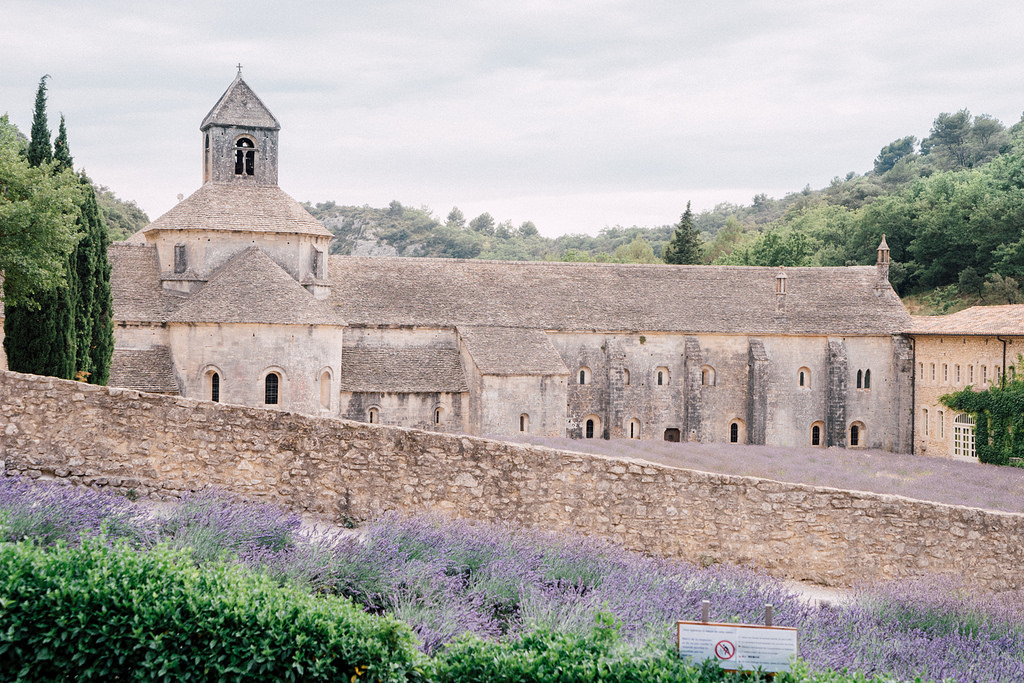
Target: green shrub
pixel 110 613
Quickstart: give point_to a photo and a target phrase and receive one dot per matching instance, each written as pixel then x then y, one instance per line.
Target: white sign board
pixel 738 647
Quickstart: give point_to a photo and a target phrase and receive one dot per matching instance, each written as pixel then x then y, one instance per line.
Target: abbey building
pixel 231 296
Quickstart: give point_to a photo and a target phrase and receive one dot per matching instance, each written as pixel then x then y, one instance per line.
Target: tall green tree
pixel 685 245
pixel 39 150
pixel 61 153
pixel 94 330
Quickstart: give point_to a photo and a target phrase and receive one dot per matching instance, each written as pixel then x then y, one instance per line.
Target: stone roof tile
pixel 241 208
pixel 143 370
pixel 135 284
pixel 613 297
pixel 252 288
pixel 414 369
pixel 512 351
pixel 240 106
pixel 977 320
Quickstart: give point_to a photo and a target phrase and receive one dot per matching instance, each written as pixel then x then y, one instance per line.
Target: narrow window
pixel 180 258
pixel 945 372
pixel 707 376
pixel 933 371
pixel 634 429
pixel 245 157
pixel 437 416
pixel 867 379
pixel 984 374
pixel 956 371
pixel 734 433
pixel 970 371
pixel 585 375
pixel 926 421
pixel 215 387
pixel 625 377
pixel 920 370
pixel 590 429
pixel 270 386
pixel 855 435
pixel 816 435
pixel 325 390
pixel 860 379
pixel 661 378
pixel 942 424
pixel 524 422
pixel 373 416
pixel 802 380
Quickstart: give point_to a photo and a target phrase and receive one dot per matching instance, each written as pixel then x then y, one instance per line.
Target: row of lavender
pixel 445 578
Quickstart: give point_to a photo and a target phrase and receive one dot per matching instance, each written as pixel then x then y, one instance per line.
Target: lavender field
pixel 926 478
pixel 446 578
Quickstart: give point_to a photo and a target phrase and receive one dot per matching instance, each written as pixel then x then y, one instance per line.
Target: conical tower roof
pixel 240 106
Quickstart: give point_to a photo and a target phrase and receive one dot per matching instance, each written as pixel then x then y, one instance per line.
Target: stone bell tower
pixel 240 139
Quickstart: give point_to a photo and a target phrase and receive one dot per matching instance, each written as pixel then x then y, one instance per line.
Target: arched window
pixel 270 388
pixel 940 417
pixel 867 379
pixel 858 436
pixel 625 377
pixel 245 157
pixel 956 372
pixel 926 422
pixel 963 436
pixel 373 416
pixel 816 434
pixel 707 376
pixel 325 390
pixel 860 379
pixel 590 429
pixel 737 433
pixel 661 376
pixel 215 387
pixel 633 429
pixel 438 415
pixel 585 377
pixel 804 378
pixel 524 422
pixel 945 372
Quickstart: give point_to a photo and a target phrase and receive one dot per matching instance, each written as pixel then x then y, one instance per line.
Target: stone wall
pixel 163 446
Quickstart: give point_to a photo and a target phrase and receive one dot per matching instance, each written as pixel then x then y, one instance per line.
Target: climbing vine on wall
pixel 999 415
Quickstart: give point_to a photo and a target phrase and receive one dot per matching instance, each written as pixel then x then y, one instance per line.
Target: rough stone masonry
pixel 164 446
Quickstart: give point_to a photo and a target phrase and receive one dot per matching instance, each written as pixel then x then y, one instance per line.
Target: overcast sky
pixel 575 115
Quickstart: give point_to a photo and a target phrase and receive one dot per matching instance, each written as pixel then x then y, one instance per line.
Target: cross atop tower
pixel 239 68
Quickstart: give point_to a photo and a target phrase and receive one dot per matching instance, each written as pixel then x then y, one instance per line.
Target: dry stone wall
pixel 164 446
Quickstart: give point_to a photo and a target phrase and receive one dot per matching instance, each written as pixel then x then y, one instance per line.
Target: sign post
pixel 738 647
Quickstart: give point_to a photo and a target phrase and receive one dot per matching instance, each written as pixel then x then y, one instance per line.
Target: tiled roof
pixel 613 297
pixel 143 370
pixel 135 284
pixel 415 369
pixel 240 106
pixel 977 320
pixel 239 207
pixel 512 351
pixel 251 288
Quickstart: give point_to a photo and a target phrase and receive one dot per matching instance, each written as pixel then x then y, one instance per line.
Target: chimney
pixel 780 291
pixel 883 262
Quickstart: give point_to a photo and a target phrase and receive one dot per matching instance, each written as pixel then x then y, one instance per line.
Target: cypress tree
pixel 42 340
pixel 685 245
pixel 94 324
pixel 61 153
pixel 39 150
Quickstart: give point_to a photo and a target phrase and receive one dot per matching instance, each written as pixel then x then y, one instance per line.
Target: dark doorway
pixel 672 434
pixel 590 429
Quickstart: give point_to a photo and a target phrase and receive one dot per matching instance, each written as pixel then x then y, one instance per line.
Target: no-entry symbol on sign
pixel 724 649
